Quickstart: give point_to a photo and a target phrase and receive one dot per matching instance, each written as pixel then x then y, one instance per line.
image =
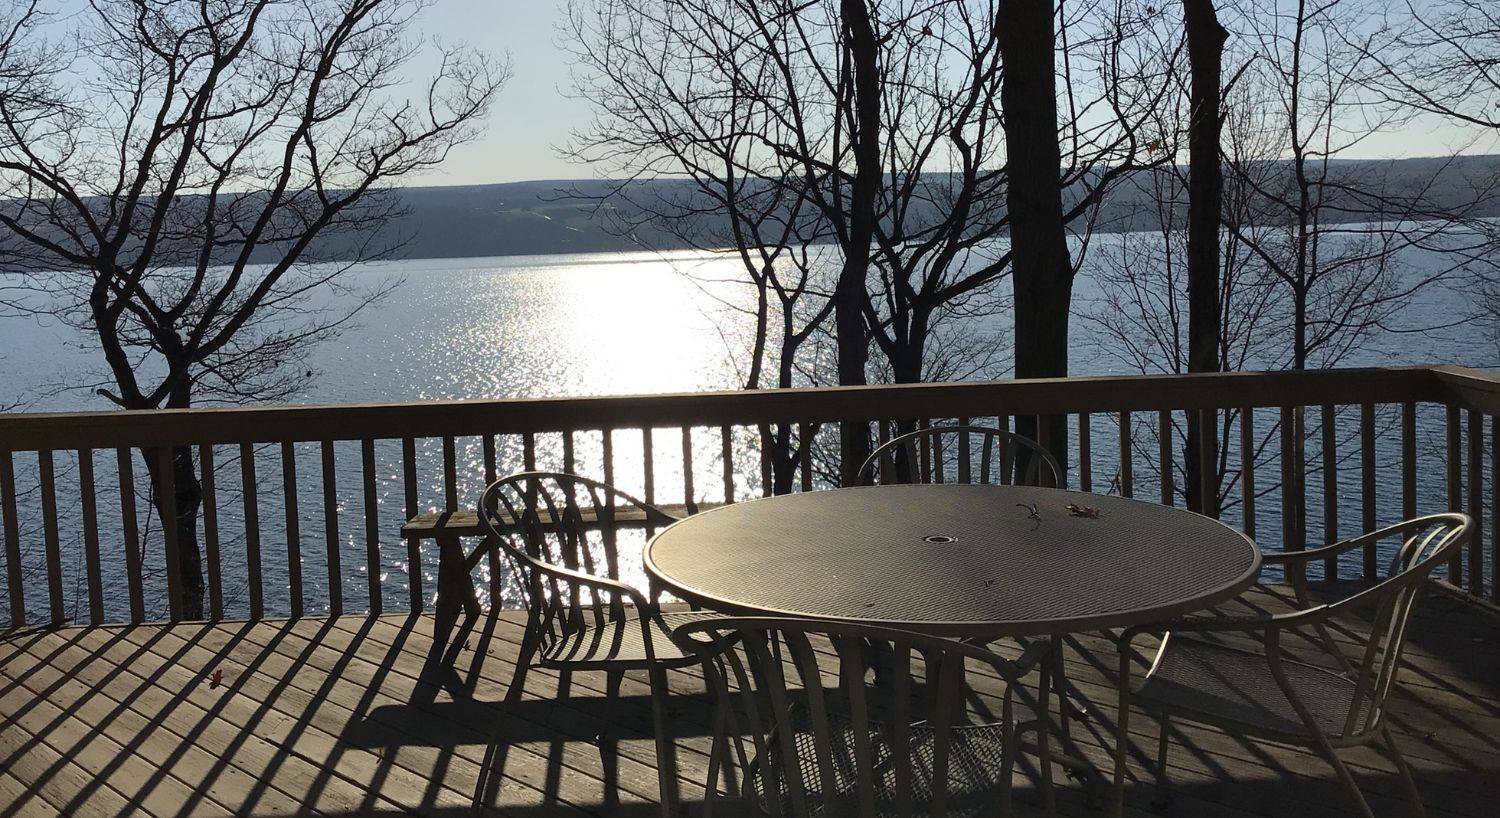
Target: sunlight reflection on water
pixel 523 327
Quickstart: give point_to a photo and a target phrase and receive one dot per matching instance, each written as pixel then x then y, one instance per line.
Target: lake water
pixel 545 326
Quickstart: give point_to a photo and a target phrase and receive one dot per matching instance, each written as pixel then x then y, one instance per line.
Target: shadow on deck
pixel 356 716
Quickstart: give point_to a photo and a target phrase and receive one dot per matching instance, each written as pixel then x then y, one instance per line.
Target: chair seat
pixel 1226 684
pixel 975 755
pixel 619 642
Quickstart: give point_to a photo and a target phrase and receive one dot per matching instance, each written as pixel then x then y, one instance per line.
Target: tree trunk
pixel 189 500
pixel 1205 42
pixel 849 295
pixel 1041 271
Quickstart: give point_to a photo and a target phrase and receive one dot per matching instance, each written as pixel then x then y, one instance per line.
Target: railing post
pixel 1330 486
pixel 12 540
pixel 1208 462
pixel 1293 530
pixel 1455 467
pixel 1476 503
pixel 1367 484
pixel 1247 470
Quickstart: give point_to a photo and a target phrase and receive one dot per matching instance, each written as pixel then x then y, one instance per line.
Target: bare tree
pixel 193 206
pixel 782 113
pixel 1443 59
pixel 1336 238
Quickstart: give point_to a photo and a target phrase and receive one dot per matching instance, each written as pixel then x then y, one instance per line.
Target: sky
pixel 532 116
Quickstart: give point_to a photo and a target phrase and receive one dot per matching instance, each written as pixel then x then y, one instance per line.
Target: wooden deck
pixel 351 716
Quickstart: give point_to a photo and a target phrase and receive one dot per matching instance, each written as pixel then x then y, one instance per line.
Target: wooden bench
pixel 455 585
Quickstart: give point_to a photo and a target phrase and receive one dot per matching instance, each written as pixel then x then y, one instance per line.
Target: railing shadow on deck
pixel 142 670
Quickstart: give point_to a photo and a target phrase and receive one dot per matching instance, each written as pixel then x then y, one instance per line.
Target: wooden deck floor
pixel 352 717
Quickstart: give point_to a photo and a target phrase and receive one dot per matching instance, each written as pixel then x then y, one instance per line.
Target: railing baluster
pixel 492 555
pixel 450 474
pixel 1292 532
pixel 608 452
pixel 211 531
pixel 1455 485
pixel 1208 462
pixel 372 524
pixel 1408 460
pixel 331 531
pixel 1495 507
pixel 1164 453
pixel 883 431
pixel 47 478
pixel 131 531
pixel 767 477
pixel 166 499
pixel 688 502
pixel 1127 447
pixel 1247 470
pixel 570 464
pixel 413 545
pixel 648 464
pixel 1044 439
pixel 1330 487
pixel 528 451
pixel 1085 457
pixel 1476 502
pixel 726 456
pixel 293 528
pixel 491 465
pixel 1368 509
pixel 12 541
pixel 90 510
pixel 804 455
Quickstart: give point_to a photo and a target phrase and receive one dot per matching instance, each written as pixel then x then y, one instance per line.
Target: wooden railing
pixel 1371 444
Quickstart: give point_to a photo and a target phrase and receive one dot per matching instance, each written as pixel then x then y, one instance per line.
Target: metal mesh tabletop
pixel 955 559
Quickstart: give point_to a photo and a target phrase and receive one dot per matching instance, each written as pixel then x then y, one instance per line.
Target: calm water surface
pixel 539 326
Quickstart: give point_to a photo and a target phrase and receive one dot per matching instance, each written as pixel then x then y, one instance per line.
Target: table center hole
pixel 939 539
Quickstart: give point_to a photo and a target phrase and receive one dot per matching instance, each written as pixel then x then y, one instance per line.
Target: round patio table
pixel 975 561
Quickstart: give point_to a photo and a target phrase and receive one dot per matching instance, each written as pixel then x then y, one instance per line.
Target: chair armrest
pixel 630 593
pixel 1222 624
pixel 1310 554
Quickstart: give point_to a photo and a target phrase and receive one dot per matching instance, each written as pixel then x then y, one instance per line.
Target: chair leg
pixel 1060 687
pixel 1122 737
pixel 666 757
pixel 1043 743
pixel 1163 796
pixel 529 643
pixel 1010 736
pixel 1332 757
pixel 1412 793
pixel 718 752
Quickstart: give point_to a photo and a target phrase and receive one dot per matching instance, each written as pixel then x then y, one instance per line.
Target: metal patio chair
pixel 962 454
pixel 560 534
pixel 813 736
pixel 1262 693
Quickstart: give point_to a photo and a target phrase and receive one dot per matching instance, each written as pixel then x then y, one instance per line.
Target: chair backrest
pixel 546 521
pixel 1426 543
pixel 962 454
pixel 841 719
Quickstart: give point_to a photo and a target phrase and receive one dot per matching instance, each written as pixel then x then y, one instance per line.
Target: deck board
pixel 353 716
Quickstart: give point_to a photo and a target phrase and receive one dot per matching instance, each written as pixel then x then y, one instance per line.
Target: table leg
pixel 1072 759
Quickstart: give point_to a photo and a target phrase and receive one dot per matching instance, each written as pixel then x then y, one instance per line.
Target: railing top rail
pixel 270 424
pixel 1470 388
